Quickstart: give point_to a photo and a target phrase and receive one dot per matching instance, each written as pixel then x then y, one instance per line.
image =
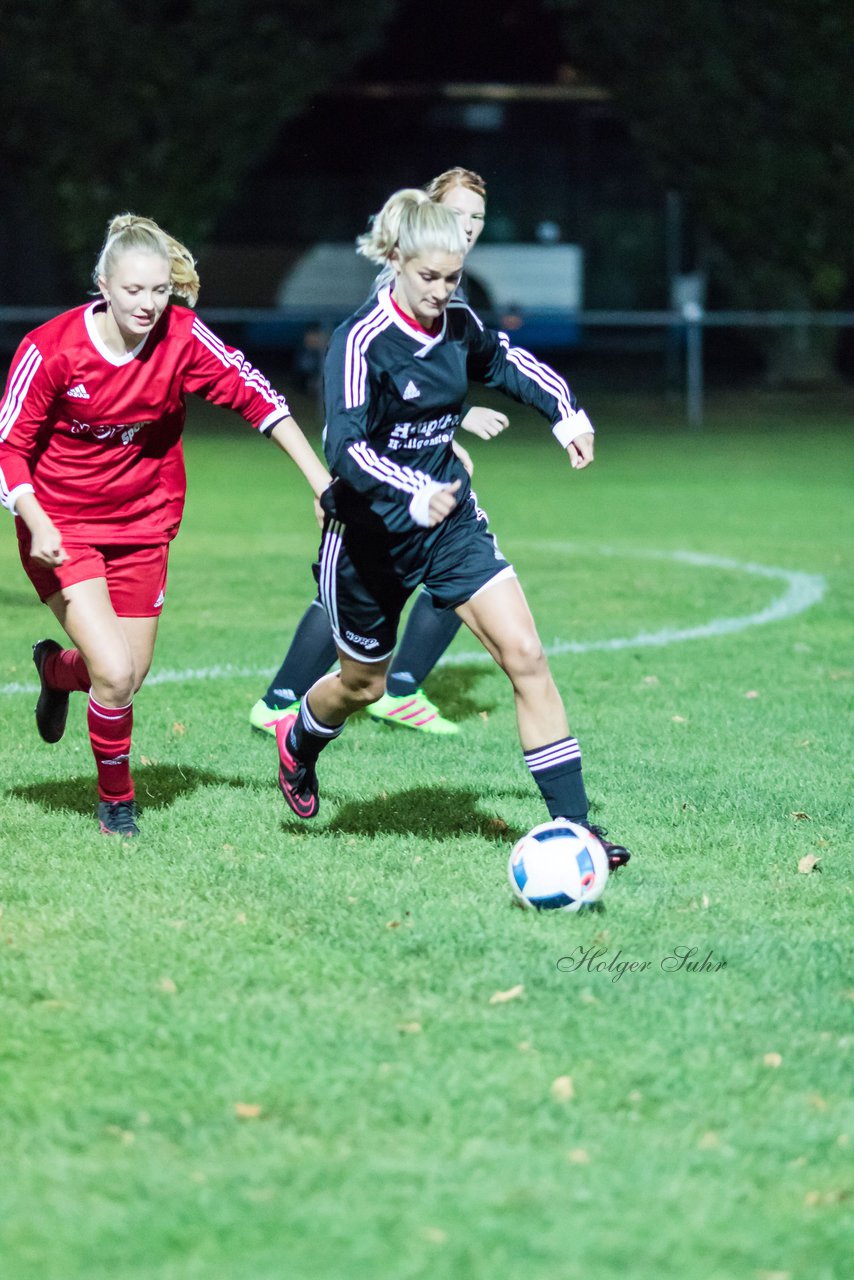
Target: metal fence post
pixel 692 315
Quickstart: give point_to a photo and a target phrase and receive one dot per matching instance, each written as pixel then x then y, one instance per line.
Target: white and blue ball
pixel 558 866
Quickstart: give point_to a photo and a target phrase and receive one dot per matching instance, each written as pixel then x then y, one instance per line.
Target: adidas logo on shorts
pixel 78 393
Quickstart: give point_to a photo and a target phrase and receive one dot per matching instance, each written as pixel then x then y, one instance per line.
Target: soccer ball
pixel 558 866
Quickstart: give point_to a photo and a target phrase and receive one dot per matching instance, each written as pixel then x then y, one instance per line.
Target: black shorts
pixel 365 577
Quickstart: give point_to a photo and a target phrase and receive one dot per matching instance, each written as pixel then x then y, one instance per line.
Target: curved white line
pixel 803 590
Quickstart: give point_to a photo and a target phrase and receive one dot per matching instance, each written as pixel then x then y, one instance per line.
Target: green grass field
pixel 242 1048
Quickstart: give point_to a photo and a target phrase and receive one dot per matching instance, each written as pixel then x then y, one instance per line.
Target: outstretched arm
pixel 291 441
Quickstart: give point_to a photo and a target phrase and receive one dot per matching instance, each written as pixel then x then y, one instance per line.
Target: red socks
pixel 66 670
pixel 110 732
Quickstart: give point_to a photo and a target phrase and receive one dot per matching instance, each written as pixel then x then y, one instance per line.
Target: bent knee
pixel 523 656
pixel 114 684
pixel 367 688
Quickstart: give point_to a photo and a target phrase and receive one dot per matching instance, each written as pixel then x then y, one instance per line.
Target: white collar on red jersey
pixel 98 342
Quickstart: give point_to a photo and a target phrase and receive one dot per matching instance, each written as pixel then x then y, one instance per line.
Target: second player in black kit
pixel 400 510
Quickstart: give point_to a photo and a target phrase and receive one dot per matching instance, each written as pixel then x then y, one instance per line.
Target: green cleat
pixel 412 711
pixel 264 719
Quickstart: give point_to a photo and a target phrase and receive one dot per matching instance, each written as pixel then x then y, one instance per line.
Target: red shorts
pixel 136 576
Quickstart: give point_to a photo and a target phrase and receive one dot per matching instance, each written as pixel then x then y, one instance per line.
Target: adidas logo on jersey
pixel 412 392
pixel 78 393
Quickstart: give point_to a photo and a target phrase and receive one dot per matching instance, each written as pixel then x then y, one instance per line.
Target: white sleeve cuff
pixel 419 506
pixel 568 429
pixel 15 494
pixel 272 420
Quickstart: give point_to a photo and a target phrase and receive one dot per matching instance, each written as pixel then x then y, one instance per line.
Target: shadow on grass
pixel 424 811
pixel 451 688
pixel 157 786
pixel 12 599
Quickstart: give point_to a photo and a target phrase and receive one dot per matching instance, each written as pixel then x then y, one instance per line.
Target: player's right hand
pixel 46 545
pixel 442 503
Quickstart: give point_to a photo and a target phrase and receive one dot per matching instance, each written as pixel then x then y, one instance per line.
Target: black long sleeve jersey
pixel 394 398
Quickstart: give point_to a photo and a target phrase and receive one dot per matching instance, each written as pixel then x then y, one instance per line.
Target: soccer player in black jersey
pixel 428 630
pixel 400 510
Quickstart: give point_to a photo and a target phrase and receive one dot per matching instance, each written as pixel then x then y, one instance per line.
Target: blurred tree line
pixel 746 110
pixel 161 108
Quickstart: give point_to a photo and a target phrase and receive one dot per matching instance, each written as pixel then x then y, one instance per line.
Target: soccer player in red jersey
pixel 91 466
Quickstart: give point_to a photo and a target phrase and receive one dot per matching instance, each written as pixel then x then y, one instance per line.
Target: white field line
pixel 803 590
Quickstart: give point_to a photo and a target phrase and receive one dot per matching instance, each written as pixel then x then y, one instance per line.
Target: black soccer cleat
pixel 52 705
pixel 618 854
pixel 297 781
pixel 118 818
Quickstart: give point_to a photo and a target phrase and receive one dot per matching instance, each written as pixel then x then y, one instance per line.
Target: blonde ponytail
pixel 128 231
pixel 411 223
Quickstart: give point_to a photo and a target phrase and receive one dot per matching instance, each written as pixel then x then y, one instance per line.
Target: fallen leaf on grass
pixel 578 1156
pixel 752 693
pixel 409 1028
pixel 678 719
pixel 808 863
pixel 651 680
pixel 562 1089
pixel 167 986
pixel 709 1141
pixel 813 1198
pixel 800 816
pixel 434 1235
pixel 497 827
pixel 484 715
pixel 247 1110
pixel 125 1136
pixel 145 760
pixel 179 729
pixel 512 993
pixel 773 1060
pixel 240 918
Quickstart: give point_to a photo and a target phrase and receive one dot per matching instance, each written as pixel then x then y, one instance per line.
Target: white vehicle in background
pixel 533 291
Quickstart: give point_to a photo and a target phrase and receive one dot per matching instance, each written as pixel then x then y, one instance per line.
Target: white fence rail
pixel 687 324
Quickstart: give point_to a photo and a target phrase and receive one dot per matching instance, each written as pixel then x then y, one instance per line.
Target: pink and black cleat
pixel 297 781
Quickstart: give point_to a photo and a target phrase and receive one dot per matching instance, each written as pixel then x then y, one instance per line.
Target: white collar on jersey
pixel 98 342
pixel 424 340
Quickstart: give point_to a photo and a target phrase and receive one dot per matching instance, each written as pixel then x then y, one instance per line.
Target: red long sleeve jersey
pixel 97 436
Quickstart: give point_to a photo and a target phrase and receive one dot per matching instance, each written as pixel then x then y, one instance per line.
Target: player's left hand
pixel 580 451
